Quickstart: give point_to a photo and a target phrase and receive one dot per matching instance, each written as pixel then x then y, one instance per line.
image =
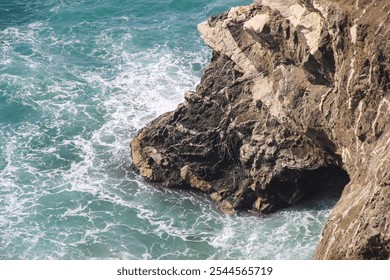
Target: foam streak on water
pixel 77 80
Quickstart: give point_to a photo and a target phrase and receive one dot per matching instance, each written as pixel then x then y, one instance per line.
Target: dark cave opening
pixel 319 188
pixel 305 188
pixel 325 185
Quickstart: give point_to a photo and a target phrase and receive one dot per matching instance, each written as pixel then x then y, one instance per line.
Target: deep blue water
pixel 78 78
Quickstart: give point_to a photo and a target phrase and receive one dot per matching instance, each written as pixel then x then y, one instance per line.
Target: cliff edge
pixel 296 98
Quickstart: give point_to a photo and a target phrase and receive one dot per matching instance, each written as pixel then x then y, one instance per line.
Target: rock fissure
pixel 294 100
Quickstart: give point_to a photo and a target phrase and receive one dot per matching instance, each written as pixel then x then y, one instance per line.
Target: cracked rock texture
pixel 296 92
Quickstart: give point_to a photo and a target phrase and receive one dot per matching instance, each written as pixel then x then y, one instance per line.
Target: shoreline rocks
pixel 296 95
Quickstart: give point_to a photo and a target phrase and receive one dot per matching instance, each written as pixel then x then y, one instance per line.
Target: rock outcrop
pixel 296 94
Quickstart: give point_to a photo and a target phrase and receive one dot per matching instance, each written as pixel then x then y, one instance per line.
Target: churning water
pixel 78 78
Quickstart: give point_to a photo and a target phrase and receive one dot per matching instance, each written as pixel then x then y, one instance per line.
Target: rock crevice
pixel 295 92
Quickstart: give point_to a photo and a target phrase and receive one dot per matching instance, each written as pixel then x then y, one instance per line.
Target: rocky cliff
pixel 296 98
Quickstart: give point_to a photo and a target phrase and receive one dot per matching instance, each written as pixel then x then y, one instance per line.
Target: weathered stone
pixel 194 181
pixel 226 207
pixel 296 92
pixel 139 160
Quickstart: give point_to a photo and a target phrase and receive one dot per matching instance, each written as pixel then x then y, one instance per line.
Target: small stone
pixel 215 196
pixel 226 207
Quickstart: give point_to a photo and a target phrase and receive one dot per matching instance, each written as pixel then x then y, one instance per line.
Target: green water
pixel 78 78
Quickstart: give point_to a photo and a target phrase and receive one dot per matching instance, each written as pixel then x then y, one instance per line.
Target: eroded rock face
pixel 295 91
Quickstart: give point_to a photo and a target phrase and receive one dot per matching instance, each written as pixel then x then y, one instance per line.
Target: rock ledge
pixel 296 94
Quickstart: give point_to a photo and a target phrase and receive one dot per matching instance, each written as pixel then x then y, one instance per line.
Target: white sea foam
pixel 66 189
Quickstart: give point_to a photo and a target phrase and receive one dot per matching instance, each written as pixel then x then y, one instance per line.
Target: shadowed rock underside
pixel 296 92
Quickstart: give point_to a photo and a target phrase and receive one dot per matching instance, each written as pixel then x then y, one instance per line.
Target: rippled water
pixel 78 78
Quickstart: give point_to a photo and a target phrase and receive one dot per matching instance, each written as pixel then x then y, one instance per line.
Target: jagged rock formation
pixel 296 91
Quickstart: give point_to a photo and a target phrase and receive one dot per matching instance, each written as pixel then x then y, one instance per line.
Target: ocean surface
pixel 78 78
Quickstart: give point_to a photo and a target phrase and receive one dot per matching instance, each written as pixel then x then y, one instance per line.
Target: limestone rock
pixel 296 92
pixel 193 180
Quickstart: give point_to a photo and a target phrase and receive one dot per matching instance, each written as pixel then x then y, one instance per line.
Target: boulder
pixel 296 98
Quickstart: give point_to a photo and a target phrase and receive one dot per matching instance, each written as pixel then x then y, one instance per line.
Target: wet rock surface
pixel 296 93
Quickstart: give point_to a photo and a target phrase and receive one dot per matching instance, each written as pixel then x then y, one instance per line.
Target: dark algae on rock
pixel 295 99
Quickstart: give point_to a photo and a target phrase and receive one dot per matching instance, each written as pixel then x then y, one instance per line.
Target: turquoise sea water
pixel 78 78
